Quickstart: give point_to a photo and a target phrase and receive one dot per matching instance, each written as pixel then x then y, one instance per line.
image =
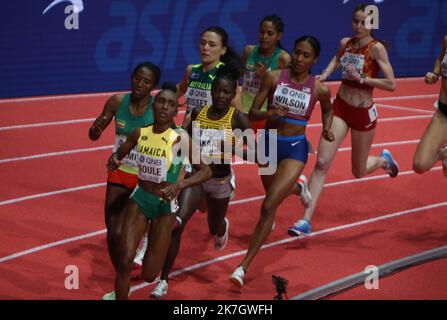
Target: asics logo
pixel 77 4
pixel 295 143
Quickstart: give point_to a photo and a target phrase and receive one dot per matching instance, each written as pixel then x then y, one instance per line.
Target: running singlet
pixel 211 134
pixel 251 83
pixel 125 123
pixel 361 60
pixel 155 158
pixel 444 65
pixel 298 98
pixel 198 93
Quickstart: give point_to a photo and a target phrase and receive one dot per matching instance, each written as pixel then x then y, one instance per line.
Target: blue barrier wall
pixel 39 56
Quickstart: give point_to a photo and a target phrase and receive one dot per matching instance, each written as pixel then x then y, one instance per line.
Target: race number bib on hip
pixel 296 101
pixel 357 60
pixel 174 205
pixel 152 169
pixel 130 159
pixel 373 114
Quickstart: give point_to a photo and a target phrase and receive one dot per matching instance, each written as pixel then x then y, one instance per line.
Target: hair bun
pixel 169 86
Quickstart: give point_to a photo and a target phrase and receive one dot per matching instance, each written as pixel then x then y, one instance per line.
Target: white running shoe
pixel 233 185
pixel 141 251
pixel 221 242
pixel 237 278
pixel 305 195
pixel 109 296
pixel 160 290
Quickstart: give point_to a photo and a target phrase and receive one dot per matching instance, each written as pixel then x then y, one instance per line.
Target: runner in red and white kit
pixel 360 58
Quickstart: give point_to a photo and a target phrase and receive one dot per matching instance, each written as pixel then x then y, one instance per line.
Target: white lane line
pixel 52 193
pixel 405 118
pixel 50 245
pixel 287 240
pixel 240 162
pixel 398 98
pixel 405 108
pixel 68 152
pixel 232 203
pixel 393 119
pixel 60 97
pixel 54 123
pixel 54 154
pixel 46 124
pixel 106 94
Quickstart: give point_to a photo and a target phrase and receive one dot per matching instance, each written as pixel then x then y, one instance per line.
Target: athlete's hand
pixel 260 70
pixel 97 127
pixel 171 191
pixel 113 162
pixel 328 135
pixel 352 72
pixel 431 78
pixel 281 112
pixel 322 77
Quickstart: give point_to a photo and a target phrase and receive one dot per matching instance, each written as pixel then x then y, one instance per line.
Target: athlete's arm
pixel 203 172
pixel 334 64
pixel 182 86
pixel 284 59
pixel 107 114
pixel 432 77
pixel 266 84
pixel 240 121
pixel 379 53
pixel 323 94
pixel 246 53
pixel 131 141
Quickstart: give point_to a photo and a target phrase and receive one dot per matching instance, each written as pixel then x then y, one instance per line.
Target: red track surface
pixel 306 263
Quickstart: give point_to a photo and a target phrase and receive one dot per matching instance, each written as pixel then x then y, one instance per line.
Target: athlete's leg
pixel 286 175
pixel 117 197
pixel 429 151
pixel 326 154
pixel 134 226
pixel 362 162
pixel 159 241
pixel 189 201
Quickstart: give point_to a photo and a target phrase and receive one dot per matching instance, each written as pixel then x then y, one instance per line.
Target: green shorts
pixel 151 205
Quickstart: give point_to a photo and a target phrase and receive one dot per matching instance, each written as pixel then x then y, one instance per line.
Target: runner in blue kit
pixel 292 94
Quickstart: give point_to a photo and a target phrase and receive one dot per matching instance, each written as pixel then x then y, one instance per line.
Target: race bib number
pixel 211 141
pixel 296 101
pixel 357 60
pixel 131 158
pixel 152 169
pixel 174 205
pixel 373 114
pixel 197 98
pixel 251 83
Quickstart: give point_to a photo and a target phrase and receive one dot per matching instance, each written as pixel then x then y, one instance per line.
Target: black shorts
pixel 442 107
